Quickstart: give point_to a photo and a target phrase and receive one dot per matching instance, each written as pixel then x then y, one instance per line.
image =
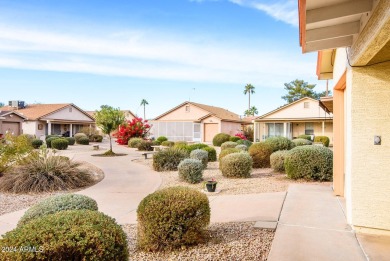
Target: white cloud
pixel 148 55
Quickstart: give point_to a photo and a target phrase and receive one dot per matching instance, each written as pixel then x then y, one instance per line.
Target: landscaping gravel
pixel 14 202
pixel 226 241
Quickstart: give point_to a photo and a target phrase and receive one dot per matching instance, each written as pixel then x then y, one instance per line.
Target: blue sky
pixel 119 52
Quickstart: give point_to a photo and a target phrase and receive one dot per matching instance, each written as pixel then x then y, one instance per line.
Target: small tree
pixel 144 103
pixel 109 119
pixel 136 128
pixel 252 111
pixel 298 89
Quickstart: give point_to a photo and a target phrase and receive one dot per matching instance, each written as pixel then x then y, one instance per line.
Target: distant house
pixel 304 116
pixel 192 121
pixel 128 114
pixel 10 122
pixel 45 119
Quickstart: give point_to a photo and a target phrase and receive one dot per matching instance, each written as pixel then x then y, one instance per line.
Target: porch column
pixel 285 129
pixel 254 131
pixel 70 130
pixel 323 128
pixel 48 127
pixel 90 129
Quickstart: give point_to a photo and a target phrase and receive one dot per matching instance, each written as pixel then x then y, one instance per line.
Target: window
pixel 187 108
pixel 306 105
pixel 309 128
pixel 275 129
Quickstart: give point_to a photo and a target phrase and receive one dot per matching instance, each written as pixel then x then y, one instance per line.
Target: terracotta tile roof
pixel 36 111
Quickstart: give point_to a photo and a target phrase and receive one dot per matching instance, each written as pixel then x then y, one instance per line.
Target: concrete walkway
pixel 312 226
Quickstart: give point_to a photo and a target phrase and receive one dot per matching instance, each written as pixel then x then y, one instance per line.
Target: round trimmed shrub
pixel 58 203
pixel 134 142
pixel 201 155
pixel 324 139
pixel 242 147
pixel 68 235
pixel 212 153
pixel 161 139
pixel 301 142
pixel 96 138
pixel 191 170
pixel 77 136
pixel 60 144
pixel 51 136
pixel 83 140
pixel 172 218
pixel 247 143
pixel 36 143
pixel 227 152
pixel 310 163
pixel 49 141
pixel 169 159
pixel 228 145
pixel 220 138
pixel 280 143
pixel 304 136
pixel 71 140
pixel 181 145
pixel 196 146
pixel 168 143
pixel 234 138
pixel 260 153
pixel 277 160
pixel 236 165
pixel 145 145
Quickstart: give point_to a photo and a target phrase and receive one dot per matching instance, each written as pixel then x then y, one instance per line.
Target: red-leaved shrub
pixel 136 128
pixel 240 135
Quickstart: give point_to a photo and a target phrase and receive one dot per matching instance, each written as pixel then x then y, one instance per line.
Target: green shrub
pixel 13 149
pixel 60 144
pixel 228 145
pixel 169 159
pixel 96 138
pixel 212 153
pixel 161 139
pixel 280 143
pixel 242 147
pixel 191 170
pixel 301 142
pixel 247 143
pixel 145 145
pixel 236 165
pixel 134 142
pixel 29 137
pixel 324 139
pixel 201 155
pixel 181 145
pixel 51 136
pixel 58 203
pixel 304 136
pixel 83 141
pixel 36 143
pixel 310 163
pixel 71 140
pixel 68 235
pixel 220 138
pixel 277 160
pixel 234 138
pixel 41 172
pixel 172 218
pixel 260 153
pixel 49 141
pixel 227 152
pixel 168 143
pixel 196 146
pixel 77 136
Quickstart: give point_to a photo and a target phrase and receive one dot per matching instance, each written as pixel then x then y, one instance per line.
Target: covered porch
pixel 66 128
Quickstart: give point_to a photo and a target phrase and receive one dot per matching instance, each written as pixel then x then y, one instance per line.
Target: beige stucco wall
pixel 66 114
pixel 180 114
pixel 368 168
pixel 30 127
pixel 230 128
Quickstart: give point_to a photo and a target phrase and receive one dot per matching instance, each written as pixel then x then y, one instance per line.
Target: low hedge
pixel 324 139
pixel 212 153
pixel 60 144
pixel 49 140
pixel 277 160
pixel 79 135
pixel 134 142
pixel 201 155
pixel 36 143
pixel 236 165
pixel 67 235
pixel 191 170
pixel 220 138
pixel 260 153
pixel 280 143
pixel 196 146
pixel 145 145
pixel 304 136
pixel 310 163
pixel 172 218
pixel 228 145
pixel 169 159
pixel 301 142
pixel 168 143
pixel 83 140
pixel 71 140
pixel 58 203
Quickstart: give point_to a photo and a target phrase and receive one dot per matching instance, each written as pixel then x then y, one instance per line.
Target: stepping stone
pixel 271 225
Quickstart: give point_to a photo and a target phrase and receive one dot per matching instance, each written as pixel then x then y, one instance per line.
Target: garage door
pixel 11 127
pixel 210 130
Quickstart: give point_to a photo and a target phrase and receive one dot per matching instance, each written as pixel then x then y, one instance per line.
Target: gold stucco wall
pixel 370 164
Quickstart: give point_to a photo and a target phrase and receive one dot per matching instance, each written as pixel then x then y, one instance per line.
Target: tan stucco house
pixel 196 122
pixel 44 119
pixel 353 43
pixel 304 116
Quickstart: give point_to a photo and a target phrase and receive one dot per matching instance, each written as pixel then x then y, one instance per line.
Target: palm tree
pixel 144 103
pixel 249 89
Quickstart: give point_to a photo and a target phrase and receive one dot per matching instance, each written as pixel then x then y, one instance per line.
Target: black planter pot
pixel 211 186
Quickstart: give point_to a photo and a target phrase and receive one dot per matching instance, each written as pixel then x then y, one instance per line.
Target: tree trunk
pixel 109 135
pixel 144 112
pixel 249 104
